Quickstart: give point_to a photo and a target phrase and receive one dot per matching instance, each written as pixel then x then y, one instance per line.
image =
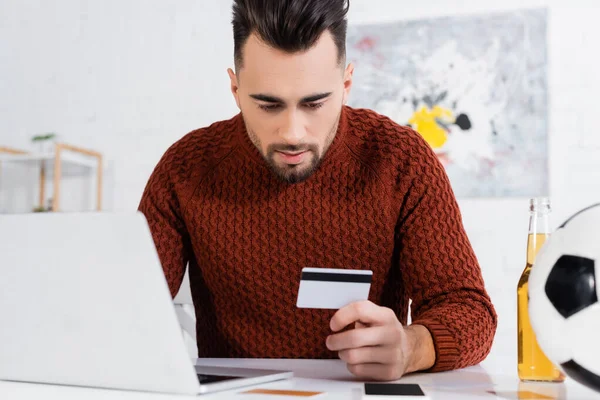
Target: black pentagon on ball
pixel 582 375
pixel 571 285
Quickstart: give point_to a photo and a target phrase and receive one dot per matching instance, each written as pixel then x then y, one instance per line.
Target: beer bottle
pixel 533 365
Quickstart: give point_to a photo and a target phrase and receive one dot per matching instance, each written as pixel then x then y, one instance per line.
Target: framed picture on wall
pixel 475 88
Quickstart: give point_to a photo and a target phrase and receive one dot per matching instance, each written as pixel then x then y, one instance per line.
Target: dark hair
pixel 289 25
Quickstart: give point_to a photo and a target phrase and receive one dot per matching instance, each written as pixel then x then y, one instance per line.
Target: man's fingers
pixel 364 312
pixel 371 355
pixel 355 338
pixel 378 372
pixel 360 325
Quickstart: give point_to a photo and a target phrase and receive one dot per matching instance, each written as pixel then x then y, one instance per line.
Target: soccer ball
pixel 564 287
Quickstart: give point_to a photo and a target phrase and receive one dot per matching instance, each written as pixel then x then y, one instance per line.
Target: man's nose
pixel 293 130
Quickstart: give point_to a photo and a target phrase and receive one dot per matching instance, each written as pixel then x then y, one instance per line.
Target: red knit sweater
pixel 380 200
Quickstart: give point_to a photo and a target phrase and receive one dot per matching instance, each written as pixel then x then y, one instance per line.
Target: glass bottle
pixel 533 365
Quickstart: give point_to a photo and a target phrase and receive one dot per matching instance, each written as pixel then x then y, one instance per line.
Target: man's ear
pixel 234 86
pixel 347 82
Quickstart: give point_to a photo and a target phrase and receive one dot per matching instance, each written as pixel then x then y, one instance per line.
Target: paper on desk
pixel 293 393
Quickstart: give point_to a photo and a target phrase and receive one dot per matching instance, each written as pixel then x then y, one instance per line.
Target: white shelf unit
pixel 65 161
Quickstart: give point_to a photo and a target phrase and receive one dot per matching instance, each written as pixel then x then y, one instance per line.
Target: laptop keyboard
pixel 206 379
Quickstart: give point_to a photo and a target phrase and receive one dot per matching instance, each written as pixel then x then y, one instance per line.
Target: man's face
pixel 291 103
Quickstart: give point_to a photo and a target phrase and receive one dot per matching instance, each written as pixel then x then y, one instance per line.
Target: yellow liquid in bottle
pixel 533 364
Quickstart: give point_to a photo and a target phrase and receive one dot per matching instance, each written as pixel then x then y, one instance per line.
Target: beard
pixel 290 173
pixel 293 173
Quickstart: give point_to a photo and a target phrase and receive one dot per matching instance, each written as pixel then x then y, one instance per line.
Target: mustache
pixel 291 147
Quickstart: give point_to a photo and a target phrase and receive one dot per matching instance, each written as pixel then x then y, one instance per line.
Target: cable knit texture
pixel 380 200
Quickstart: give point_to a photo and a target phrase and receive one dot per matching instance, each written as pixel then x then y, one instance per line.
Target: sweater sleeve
pixel 440 269
pixel 160 205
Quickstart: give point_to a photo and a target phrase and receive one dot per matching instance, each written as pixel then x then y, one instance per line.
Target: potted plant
pixel 41 209
pixel 45 142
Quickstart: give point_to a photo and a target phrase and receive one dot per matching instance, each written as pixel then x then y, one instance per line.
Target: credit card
pixel 327 288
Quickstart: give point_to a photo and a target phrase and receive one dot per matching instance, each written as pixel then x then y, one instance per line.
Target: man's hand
pixel 379 347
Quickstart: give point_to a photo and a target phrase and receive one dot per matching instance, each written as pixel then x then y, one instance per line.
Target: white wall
pixel 128 78
pixel 124 78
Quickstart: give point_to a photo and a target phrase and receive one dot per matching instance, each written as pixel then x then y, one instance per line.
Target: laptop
pixel 84 302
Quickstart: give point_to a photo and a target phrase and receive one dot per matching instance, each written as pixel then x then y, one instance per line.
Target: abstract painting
pixel 475 88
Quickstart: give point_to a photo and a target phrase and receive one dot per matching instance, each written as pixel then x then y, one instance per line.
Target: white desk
pixel 330 376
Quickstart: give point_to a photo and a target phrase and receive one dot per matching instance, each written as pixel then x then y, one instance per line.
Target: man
pixel 298 179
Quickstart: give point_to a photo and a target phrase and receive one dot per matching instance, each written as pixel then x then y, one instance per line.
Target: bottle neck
pixel 539 222
pixel 539 227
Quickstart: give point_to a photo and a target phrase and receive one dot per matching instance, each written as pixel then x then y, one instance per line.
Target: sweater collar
pixel 250 151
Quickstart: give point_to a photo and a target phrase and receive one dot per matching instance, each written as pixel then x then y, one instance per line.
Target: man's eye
pixel 269 107
pixel 314 106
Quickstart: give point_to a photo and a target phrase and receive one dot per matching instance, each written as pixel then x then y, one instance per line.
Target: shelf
pixel 74 161
pixel 73 164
